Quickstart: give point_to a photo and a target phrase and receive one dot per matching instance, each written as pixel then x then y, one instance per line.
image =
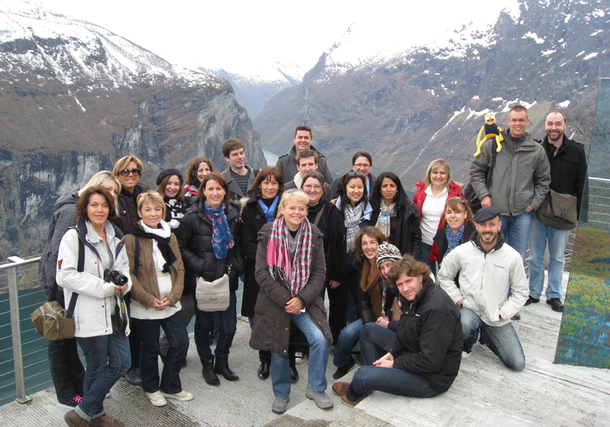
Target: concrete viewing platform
pixel 485 393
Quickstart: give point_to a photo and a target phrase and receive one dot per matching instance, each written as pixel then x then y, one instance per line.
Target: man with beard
pixel 493 287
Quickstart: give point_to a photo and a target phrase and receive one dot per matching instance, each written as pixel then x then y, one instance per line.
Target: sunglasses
pixel 352 173
pixel 127 172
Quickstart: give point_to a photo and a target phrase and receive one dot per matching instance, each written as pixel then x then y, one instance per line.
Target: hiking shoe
pixel 72 403
pixel 184 396
pixel 320 397
pixel 280 404
pixel 156 398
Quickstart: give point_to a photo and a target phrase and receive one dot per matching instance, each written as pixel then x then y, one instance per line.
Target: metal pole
pixel 16 331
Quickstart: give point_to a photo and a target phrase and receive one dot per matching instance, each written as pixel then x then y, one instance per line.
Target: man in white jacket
pixel 492 288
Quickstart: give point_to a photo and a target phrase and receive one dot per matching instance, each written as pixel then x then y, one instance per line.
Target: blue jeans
pixel 516 231
pixel 373 339
pixel 347 340
pixel 394 381
pixel 205 321
pixel 557 240
pixel 425 249
pixel 107 359
pixel 177 337
pixel 318 357
pixel 502 340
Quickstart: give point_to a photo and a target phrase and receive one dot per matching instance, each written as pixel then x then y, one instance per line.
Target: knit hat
pixel 387 252
pixel 168 172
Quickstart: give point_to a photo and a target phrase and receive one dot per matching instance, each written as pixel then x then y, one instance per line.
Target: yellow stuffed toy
pixel 491 130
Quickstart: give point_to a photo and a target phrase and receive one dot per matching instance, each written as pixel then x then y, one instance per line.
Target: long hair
pixel 191 172
pixel 163 183
pixel 401 198
pixel 265 172
pixel 214 176
pixel 457 204
pixel 341 188
pixel 367 231
pixel 432 167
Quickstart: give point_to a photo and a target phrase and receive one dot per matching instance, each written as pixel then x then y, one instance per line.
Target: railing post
pixel 16 332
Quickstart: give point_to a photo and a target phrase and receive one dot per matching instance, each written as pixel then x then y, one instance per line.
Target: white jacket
pixel 485 280
pixel 96 300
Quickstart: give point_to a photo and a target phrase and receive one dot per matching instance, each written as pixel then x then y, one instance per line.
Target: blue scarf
pixel 222 239
pixel 454 239
pixel 269 211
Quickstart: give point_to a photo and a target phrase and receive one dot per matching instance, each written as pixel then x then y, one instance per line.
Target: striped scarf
pixel 294 274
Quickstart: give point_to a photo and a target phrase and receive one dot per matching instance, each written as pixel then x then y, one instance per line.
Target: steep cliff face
pixel 74 98
pixel 429 102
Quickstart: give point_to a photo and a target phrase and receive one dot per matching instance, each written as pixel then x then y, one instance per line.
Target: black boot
pixel 263 370
pixel 222 367
pixel 208 372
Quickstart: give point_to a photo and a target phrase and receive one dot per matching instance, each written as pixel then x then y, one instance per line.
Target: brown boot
pixel 105 421
pixel 75 420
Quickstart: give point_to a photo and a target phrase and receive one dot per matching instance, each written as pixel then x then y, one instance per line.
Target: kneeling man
pixel 493 287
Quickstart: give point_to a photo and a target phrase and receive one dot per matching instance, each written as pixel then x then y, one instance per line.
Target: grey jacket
pixel 235 192
pixel 520 177
pixel 287 164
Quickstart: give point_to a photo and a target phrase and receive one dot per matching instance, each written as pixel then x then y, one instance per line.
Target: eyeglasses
pixel 127 172
pixel 312 187
pixel 518 120
pixel 362 165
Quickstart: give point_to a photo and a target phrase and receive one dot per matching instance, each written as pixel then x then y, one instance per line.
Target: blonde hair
pixel 123 162
pixel 292 196
pixel 153 198
pixel 101 179
pixel 432 167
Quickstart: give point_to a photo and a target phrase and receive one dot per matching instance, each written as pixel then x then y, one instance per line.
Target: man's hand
pixel 383 321
pixel 460 303
pixel 294 306
pixel 486 202
pixel 333 284
pixel 529 208
pixel 387 361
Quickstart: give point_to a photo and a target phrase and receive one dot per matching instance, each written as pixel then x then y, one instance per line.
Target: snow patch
pixel 563 104
pixel 533 36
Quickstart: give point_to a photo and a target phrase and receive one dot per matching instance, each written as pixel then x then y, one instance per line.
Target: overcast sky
pixel 241 35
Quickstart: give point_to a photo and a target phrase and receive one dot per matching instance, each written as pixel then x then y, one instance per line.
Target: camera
pixel 116 277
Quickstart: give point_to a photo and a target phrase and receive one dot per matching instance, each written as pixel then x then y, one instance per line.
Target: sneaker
pixel 532 300
pixel 72 403
pixel 280 404
pixel 466 353
pixel 184 396
pixel 555 304
pixel 299 357
pixel 320 397
pixel 156 398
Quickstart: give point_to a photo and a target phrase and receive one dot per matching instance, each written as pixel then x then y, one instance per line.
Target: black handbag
pixel 558 211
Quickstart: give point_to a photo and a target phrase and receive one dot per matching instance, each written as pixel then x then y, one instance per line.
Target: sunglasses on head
pixel 126 172
pixel 353 173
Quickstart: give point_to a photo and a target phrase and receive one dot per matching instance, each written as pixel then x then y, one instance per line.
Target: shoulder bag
pixel 558 211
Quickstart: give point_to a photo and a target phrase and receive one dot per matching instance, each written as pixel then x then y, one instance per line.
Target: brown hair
pixel 362 154
pixel 214 176
pixel 367 231
pixel 123 162
pixel 409 266
pixel 565 119
pixel 454 203
pixel 163 183
pixel 191 172
pixel 305 128
pixel 83 202
pixel 518 108
pixel 230 145
pixel 262 175
pixel 306 154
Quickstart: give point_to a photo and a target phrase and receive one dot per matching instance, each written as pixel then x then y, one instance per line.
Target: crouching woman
pixel 424 357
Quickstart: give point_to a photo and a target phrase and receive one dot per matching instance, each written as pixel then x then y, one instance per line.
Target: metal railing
pixel 599 202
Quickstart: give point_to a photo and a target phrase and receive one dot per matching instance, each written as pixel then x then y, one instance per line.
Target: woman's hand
pixel 383 321
pixel 120 290
pixel 333 284
pixel 386 361
pixel 294 306
pixel 160 305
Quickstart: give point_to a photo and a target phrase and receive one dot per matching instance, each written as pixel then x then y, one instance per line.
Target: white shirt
pixel 431 213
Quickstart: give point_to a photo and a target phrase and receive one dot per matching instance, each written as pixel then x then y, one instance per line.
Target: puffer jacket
pixel 128 207
pixel 96 300
pixel 195 241
pixel 520 177
pixel 271 329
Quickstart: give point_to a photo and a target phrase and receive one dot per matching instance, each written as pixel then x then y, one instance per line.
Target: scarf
pixel 161 236
pixel 352 221
pixel 383 221
pixel 454 239
pixel 222 239
pixel 269 211
pixel 293 273
pixel 369 283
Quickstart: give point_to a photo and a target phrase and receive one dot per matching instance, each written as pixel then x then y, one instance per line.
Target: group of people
pixel 417 283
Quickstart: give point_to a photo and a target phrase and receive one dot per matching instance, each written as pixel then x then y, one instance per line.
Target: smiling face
pixel 172 188
pixel 302 140
pixel 151 214
pixel 363 165
pixel 455 218
pixel 97 210
pixel 269 187
pixel 408 286
pixel 129 176
pixel 295 213
pixel 488 231
pixel 389 190
pixel 354 190
pixel 518 121
pixel 369 247
pixel 438 177
pixel 385 267
pixel 214 193
pixel 314 190
pixel 203 171
pixel 307 165
pixel 555 126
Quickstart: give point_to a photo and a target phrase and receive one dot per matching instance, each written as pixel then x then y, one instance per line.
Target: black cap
pixel 486 214
pixel 168 172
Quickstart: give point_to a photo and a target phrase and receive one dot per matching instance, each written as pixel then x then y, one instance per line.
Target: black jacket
pixel 128 208
pixel 332 226
pixel 439 249
pixel 195 241
pixel 568 168
pixel 429 337
pixel 407 236
pixel 287 164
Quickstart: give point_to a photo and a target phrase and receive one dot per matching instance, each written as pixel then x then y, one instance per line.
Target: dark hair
pixel 214 176
pixel 163 183
pixel 262 175
pixel 305 128
pixel 409 266
pixel 191 172
pixel 344 180
pixel 401 198
pixel 306 154
pixel 367 231
pixel 454 203
pixel 83 202
pixel 362 154
pixel 230 145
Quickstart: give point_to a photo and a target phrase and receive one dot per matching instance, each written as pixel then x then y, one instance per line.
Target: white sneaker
pixel 156 398
pixel 299 357
pixel 184 396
